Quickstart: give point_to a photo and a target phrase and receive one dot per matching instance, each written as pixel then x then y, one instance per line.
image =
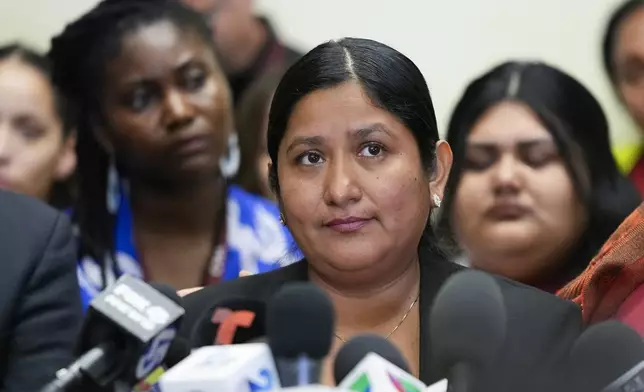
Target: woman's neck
pixel 192 210
pixel 376 308
pixel 175 233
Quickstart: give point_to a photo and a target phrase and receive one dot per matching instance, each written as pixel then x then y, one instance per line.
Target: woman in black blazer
pixel 358 168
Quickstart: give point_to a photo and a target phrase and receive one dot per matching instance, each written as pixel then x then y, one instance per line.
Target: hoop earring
pixel 113 192
pixel 437 200
pixel 229 164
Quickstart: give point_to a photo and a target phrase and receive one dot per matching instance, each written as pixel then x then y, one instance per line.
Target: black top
pixel 541 327
pixel 40 309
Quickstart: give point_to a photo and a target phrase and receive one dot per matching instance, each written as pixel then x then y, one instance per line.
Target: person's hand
pixel 184 292
pixel 243 273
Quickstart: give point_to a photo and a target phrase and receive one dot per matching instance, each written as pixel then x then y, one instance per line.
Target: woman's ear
pixel 441 169
pixel 273 183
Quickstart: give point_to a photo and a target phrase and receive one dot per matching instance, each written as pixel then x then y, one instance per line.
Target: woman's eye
pixel 371 150
pixel 194 79
pixel 140 99
pixel 310 159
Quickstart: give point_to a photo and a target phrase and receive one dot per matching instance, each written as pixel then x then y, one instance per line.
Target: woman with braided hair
pixel 156 145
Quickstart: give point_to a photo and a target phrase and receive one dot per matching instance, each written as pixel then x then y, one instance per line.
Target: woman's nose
pixel 506 174
pixel 341 187
pixel 179 112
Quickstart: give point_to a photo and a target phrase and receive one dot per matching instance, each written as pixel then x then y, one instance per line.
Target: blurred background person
pixel 37 139
pixel 623 54
pixel 156 147
pixel 251 118
pixel 247 45
pixel 40 310
pixel 534 191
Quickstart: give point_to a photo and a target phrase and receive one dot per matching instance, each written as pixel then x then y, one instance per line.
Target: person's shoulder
pixel 28 220
pixel 254 287
pixel 541 327
pixel 522 296
pixel 18 206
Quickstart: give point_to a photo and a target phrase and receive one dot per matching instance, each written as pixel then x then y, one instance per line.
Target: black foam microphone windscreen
pixel 357 348
pixel 467 325
pixel 300 321
pixel 607 357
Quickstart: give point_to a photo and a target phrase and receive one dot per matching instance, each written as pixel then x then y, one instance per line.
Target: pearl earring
pixel 437 200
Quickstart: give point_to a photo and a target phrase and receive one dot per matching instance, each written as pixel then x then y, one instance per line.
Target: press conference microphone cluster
pixel 292 334
pixel 467 330
pixel 607 357
pixel 128 330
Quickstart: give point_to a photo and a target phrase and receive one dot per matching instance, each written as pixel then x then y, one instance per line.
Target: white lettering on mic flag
pixel 231 368
pixel 136 307
pixel 375 374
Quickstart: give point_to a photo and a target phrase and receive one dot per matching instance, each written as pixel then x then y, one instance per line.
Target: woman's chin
pixel 511 233
pixel 353 259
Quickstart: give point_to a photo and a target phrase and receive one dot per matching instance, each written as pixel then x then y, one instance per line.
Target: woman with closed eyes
pixel 534 191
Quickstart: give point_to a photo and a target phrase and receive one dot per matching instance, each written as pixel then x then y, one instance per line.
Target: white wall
pixel 450 40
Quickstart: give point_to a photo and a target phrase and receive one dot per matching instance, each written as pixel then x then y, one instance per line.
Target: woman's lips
pixel 348 225
pixel 507 211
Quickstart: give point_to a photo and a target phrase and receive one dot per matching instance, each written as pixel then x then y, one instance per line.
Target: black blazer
pixel 541 327
pixel 40 310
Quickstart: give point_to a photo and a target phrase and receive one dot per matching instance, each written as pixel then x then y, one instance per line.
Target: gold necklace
pixel 404 317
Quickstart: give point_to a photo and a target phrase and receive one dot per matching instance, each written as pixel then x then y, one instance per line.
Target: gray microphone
pixel 467 327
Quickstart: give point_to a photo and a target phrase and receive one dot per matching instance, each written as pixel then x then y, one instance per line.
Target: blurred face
pixel 352 187
pixel 629 64
pixel 515 212
pixel 229 20
pixel 33 151
pixel 168 106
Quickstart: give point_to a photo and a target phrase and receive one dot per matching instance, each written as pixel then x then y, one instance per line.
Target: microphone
pixel 467 327
pixel 226 368
pixel 127 332
pixel 234 321
pixel 179 349
pixel 299 326
pixel 370 363
pixel 607 357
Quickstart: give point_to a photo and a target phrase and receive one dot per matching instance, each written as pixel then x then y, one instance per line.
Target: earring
pixel 229 164
pixel 437 200
pixel 113 193
pixel 282 218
